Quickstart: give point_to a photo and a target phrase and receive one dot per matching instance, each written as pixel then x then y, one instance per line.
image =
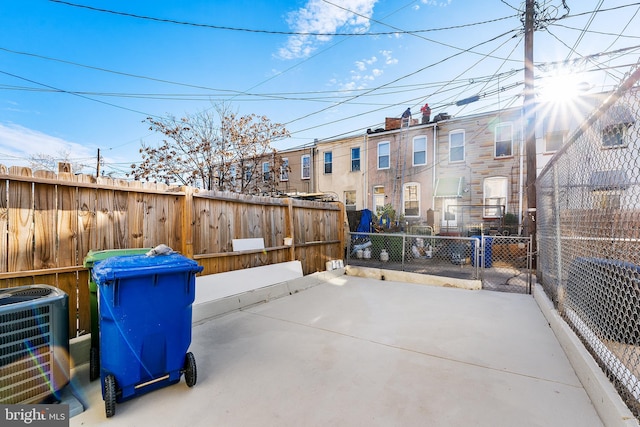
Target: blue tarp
pixel 365 221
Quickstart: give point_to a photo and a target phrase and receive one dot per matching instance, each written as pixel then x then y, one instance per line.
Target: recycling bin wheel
pixel 110 395
pixel 94 364
pixel 190 370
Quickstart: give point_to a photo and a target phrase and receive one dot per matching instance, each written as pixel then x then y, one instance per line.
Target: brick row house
pixel 456 175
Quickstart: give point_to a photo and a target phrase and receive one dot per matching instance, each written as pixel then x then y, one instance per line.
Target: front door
pixel 449 212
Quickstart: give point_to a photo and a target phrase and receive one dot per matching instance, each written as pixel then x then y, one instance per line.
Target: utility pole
pixel 530 119
pixel 98 165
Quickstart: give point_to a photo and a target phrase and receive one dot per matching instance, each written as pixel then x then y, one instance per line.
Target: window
pixel 378 199
pixel 355 159
pixel 420 151
pixel 350 200
pixel 233 170
pixel 284 170
pixel 328 162
pixel 495 194
pixel 607 200
pixel 383 155
pixel 553 141
pixel 614 135
pixel 608 187
pixel 306 166
pixel 504 140
pixel 248 173
pixel 412 199
pixel 456 146
pixel 266 176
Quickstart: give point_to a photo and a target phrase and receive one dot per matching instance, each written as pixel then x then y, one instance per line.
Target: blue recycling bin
pixel 484 258
pixel 145 308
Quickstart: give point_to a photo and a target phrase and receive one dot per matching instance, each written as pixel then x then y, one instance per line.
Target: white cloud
pixel 318 16
pixel 362 74
pixel 362 65
pixel 388 59
pixel 441 3
pixel 18 144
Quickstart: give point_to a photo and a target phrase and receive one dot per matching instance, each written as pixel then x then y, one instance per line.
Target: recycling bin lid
pixel 95 256
pixel 129 266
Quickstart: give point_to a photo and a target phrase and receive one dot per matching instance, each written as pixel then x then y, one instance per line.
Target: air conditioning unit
pixel 34 343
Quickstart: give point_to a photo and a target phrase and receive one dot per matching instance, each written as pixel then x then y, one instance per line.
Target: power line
pixel 400 30
pixel 600 10
pixel 287 33
pixel 602 33
pixel 588 24
pixel 106 70
pixel 398 79
pixel 75 94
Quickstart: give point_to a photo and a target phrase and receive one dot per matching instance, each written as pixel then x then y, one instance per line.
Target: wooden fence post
pixel 342 230
pixel 290 230
pixel 187 220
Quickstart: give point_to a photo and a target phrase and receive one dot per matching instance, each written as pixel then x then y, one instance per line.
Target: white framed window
pixel 328 162
pixel 266 175
pixel 411 199
pixel 350 200
pixel 384 155
pixel 456 146
pixel 355 159
pixel 378 199
pixel 495 196
pixel 615 136
pixel 419 150
pixel 306 166
pixel 553 141
pixel 284 170
pixel 503 140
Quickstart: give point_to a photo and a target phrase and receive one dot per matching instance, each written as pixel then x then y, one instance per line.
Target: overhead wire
pixel 75 94
pixel 582 33
pixel 399 78
pixel 363 95
pixel 275 32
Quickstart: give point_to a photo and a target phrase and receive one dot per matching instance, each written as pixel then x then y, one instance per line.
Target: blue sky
pixel 83 75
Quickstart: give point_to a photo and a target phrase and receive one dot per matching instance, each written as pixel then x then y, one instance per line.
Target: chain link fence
pixel 506 264
pixel 501 262
pixel 588 223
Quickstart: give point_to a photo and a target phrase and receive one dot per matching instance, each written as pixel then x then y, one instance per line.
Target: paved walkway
pixel 364 352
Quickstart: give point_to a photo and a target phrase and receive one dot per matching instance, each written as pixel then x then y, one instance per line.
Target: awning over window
pixel 609 180
pixel 449 187
pixel 617 115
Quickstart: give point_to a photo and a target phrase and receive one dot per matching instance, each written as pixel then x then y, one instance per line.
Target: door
pixel 449 212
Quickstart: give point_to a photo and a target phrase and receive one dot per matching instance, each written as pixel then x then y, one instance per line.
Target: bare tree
pixel 213 149
pixel 50 163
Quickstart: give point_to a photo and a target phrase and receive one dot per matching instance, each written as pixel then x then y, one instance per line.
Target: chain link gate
pixel 505 263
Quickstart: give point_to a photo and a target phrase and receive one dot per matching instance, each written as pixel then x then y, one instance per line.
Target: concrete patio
pixel 353 351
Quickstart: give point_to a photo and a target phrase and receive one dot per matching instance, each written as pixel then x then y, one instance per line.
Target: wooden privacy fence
pixel 49 222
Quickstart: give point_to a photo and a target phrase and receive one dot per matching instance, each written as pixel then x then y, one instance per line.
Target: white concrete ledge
pixel 216 286
pixel 415 278
pixel 214 308
pixel 608 403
